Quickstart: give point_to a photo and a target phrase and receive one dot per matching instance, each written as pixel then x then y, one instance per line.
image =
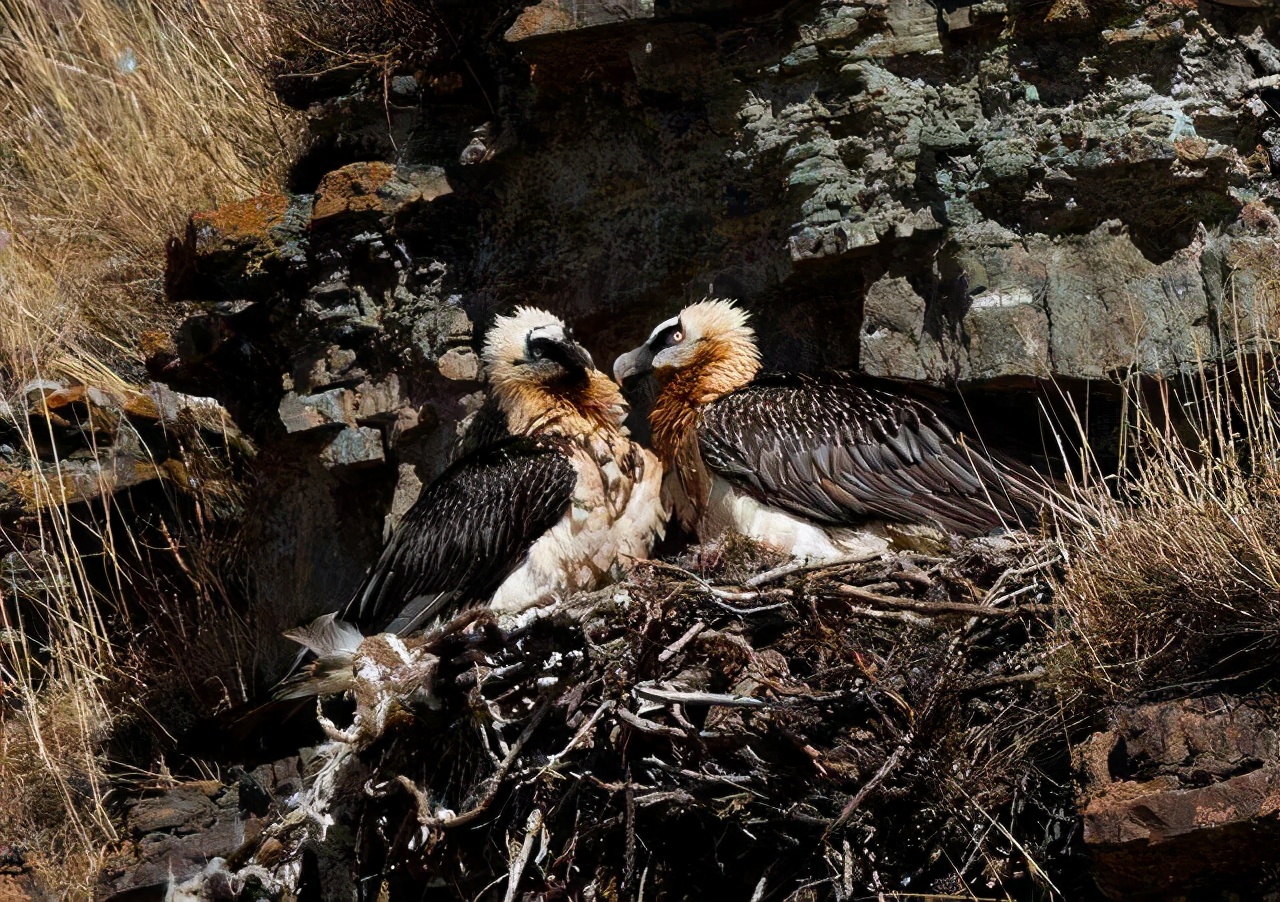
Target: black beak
pixel 633 364
pixel 577 357
pixel 566 352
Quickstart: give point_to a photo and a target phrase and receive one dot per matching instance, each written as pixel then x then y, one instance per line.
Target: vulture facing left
pixel 817 467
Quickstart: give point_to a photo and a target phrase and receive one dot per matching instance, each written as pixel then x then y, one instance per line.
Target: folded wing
pixel 465 534
pixel 836 451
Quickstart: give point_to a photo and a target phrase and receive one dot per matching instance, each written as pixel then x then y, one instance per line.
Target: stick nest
pixel 879 727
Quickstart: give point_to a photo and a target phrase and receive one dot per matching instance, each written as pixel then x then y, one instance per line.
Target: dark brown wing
pixel 465 534
pixel 487 426
pixel 836 451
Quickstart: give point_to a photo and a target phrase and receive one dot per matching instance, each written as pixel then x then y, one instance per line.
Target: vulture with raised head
pixel 562 505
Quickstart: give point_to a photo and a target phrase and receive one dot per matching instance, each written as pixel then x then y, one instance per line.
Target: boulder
pixel 1181 797
pixel 370 192
pixel 238 249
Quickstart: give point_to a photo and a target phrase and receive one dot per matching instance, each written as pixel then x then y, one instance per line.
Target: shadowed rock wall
pixel 979 195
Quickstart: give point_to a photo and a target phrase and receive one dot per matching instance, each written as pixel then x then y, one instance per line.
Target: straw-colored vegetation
pixel 116 120
pixel 1174 583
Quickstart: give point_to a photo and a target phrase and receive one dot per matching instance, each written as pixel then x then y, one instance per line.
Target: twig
pixel 670 795
pixel 993 592
pixel 674 648
pixel 605 706
pixel 1009 596
pixel 941 607
pixel 742 612
pixel 1012 679
pixel 758 895
pixel 532 826
pixel 900 616
pixel 890 764
pixel 908 572
pixel 717 591
pixel 736 780
pixel 629 800
pixel 674 696
pixel 426 819
pixel 802 566
pixel 732 594
pixel 677 712
pixel 646 726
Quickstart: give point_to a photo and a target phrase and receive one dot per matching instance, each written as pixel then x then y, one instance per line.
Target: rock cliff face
pixel 978 196
pixel 974 195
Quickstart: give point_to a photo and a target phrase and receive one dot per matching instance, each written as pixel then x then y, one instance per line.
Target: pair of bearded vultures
pixel 817 467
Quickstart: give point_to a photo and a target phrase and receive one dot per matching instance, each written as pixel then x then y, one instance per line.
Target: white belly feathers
pixel 614 519
pixel 730 510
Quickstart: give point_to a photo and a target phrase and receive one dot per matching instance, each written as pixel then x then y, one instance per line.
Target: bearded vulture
pixel 561 505
pixel 817 467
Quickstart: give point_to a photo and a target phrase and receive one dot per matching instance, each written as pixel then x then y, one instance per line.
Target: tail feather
pixel 334 643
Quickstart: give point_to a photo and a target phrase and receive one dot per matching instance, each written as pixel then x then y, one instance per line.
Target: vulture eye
pixel 668 337
pixel 538 353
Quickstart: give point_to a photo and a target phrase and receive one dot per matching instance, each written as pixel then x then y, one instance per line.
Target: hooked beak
pixel 633 364
pixel 576 356
pixel 562 351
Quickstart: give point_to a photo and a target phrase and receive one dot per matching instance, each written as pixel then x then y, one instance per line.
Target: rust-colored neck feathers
pixel 563 407
pixel 719 366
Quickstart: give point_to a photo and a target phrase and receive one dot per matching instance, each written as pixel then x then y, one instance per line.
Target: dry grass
pixel 1175 581
pixel 116 120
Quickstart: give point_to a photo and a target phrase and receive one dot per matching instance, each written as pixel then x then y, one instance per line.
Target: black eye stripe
pixel 666 338
pixel 540 348
pixel 543 347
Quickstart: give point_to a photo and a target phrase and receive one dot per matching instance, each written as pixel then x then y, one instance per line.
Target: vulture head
pixel 708 348
pixel 532 348
pixel 543 379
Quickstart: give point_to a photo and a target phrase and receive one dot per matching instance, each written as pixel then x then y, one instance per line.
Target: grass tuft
pixel 116 120
pixel 1174 579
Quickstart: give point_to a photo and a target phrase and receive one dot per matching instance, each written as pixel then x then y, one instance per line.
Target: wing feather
pixel 465 534
pixel 836 450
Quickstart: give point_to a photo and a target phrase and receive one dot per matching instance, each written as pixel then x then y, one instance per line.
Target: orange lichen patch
pixel 73 403
pixel 60 398
pixel 1191 149
pixel 54 489
pixel 1068 11
pixel 156 343
pixel 244 220
pixel 1144 34
pixel 375 188
pixel 352 189
pixel 547 17
pixel 140 406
